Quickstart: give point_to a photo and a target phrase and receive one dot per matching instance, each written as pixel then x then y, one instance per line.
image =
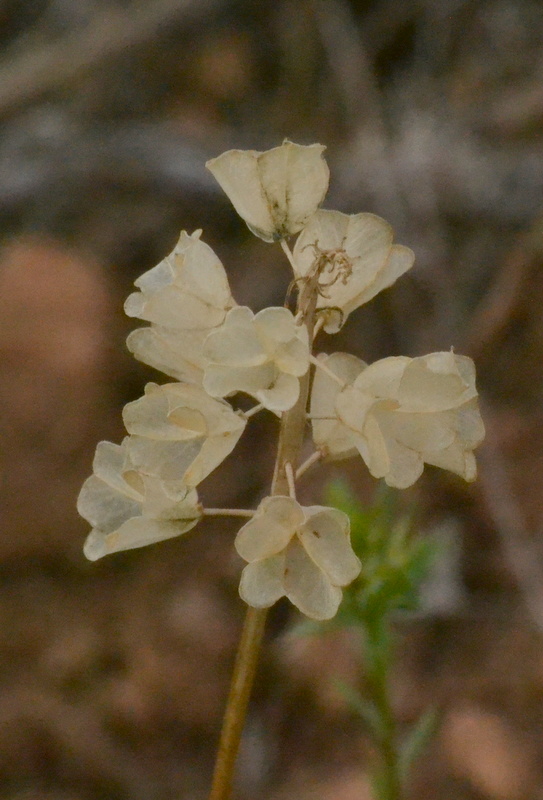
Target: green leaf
pixel 417 739
pixel 365 709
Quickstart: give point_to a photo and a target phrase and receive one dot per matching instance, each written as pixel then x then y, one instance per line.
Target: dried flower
pixel 127 509
pixel 276 191
pixel 303 553
pixel 357 259
pixel 185 297
pixel 263 355
pixel 179 433
pixel 400 413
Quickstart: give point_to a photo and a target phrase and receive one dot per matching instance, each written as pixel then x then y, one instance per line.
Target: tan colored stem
pixel 291 438
pixel 238 700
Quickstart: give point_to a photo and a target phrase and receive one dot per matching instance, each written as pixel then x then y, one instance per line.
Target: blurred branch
pixel 508 517
pixel 504 297
pixel 360 95
pixel 28 75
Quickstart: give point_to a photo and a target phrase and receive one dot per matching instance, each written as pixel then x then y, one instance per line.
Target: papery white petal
pixel 150 415
pixel 105 507
pixel 406 465
pixel 469 426
pixel 221 381
pixel 372 446
pixel 455 459
pixel 285 510
pixel 189 289
pixel 276 191
pixel 275 326
pixel 400 259
pixel 136 532
pixel 261 582
pixel 382 378
pixel 353 407
pixel 281 395
pixel 418 431
pixel 270 530
pixel 435 383
pixel 332 435
pixel 169 500
pixel 293 356
pixel 235 343
pixel 325 537
pixel 307 587
pixel 177 353
pixel 180 433
pixel 170 460
pixel 110 461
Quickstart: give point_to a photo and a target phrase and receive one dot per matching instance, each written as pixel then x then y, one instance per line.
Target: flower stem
pixel 308 463
pixel 238 699
pixel 320 365
pixel 289 445
pixel 227 512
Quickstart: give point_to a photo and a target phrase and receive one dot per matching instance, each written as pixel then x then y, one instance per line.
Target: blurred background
pixel 113 675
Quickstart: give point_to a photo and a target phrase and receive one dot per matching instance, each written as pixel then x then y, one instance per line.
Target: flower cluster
pixel 397 414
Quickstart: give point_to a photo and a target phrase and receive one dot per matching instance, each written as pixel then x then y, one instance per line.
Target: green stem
pixel 389 780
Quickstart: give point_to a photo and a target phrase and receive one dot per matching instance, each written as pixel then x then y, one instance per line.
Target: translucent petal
pixel 373 448
pixel 189 289
pixel 332 435
pixel 136 532
pixel 281 395
pixel 293 357
pixel 162 502
pixel 262 537
pixel 455 459
pixel 352 408
pixel 469 426
pixel 221 381
pixel 105 507
pixel 149 416
pixel 434 383
pixel 420 432
pixel 219 416
pixel 400 260
pixel 214 450
pixel 271 529
pixel 406 465
pixel 307 587
pixel 178 353
pixel 235 343
pixel 261 582
pixel 277 191
pixel 275 326
pixel 382 378
pixel 154 279
pixel 325 537
pixel 169 460
pixel 110 461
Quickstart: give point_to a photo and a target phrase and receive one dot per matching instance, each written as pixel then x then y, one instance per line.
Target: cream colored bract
pixel 276 191
pixel 185 297
pixel 400 413
pixel 261 354
pixel 127 509
pixel 180 433
pixel 303 553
